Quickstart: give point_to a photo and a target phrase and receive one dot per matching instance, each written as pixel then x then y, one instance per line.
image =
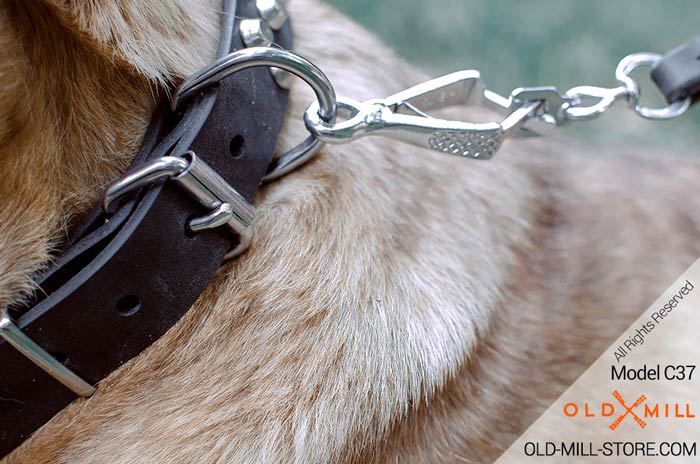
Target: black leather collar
pixel 120 285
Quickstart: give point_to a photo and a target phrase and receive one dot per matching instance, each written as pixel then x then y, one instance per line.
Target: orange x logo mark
pixel 628 410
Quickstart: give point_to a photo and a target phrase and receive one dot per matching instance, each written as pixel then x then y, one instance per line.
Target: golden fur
pixel 396 305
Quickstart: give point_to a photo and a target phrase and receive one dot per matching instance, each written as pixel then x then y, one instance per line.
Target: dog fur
pixel 396 305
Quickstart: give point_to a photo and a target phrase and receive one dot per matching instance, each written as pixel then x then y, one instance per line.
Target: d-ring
pixel 276 58
pixel 622 74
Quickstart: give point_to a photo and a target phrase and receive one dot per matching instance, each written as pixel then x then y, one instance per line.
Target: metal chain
pixel 403 116
pixel 627 90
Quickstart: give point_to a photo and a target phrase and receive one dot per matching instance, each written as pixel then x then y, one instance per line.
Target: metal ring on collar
pixel 276 58
pixel 622 74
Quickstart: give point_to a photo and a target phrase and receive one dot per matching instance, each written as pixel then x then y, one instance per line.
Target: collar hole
pixel 128 305
pixel 236 146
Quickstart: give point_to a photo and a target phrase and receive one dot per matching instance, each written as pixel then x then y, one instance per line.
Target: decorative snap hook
pixel 403 117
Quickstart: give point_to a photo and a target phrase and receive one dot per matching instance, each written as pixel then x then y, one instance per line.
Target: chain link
pixel 628 90
pixel 603 100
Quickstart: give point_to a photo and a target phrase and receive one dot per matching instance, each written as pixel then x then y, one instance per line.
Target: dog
pixel 396 304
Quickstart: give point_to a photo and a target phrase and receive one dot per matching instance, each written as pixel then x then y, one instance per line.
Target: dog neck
pixel 374 275
pixel 80 83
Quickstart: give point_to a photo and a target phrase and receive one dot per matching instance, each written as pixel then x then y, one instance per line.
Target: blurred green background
pixel 545 42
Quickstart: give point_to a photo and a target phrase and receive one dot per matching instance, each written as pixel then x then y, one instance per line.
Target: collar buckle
pixel 227 206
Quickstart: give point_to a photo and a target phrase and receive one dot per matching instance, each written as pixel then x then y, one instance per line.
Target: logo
pixel 641 411
pixel 628 410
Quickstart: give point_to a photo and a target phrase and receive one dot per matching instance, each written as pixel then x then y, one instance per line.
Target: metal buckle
pixel 37 355
pixel 204 184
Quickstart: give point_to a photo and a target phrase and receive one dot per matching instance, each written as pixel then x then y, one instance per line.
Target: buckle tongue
pixel 204 184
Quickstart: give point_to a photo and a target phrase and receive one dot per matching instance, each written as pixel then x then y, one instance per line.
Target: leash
pixel 119 285
pixel 527 111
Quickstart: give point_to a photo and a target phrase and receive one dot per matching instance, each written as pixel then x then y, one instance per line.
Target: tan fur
pixel 396 305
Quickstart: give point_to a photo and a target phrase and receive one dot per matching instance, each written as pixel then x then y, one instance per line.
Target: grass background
pixel 545 42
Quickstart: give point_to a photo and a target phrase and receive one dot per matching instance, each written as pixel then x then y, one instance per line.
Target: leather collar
pixel 119 285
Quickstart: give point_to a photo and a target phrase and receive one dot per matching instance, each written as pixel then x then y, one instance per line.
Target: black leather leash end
pixel 677 75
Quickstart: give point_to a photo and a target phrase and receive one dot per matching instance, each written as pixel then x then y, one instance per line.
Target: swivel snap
pixel 404 117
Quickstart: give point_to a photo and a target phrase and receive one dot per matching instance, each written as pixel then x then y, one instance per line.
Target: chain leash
pixel 404 116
